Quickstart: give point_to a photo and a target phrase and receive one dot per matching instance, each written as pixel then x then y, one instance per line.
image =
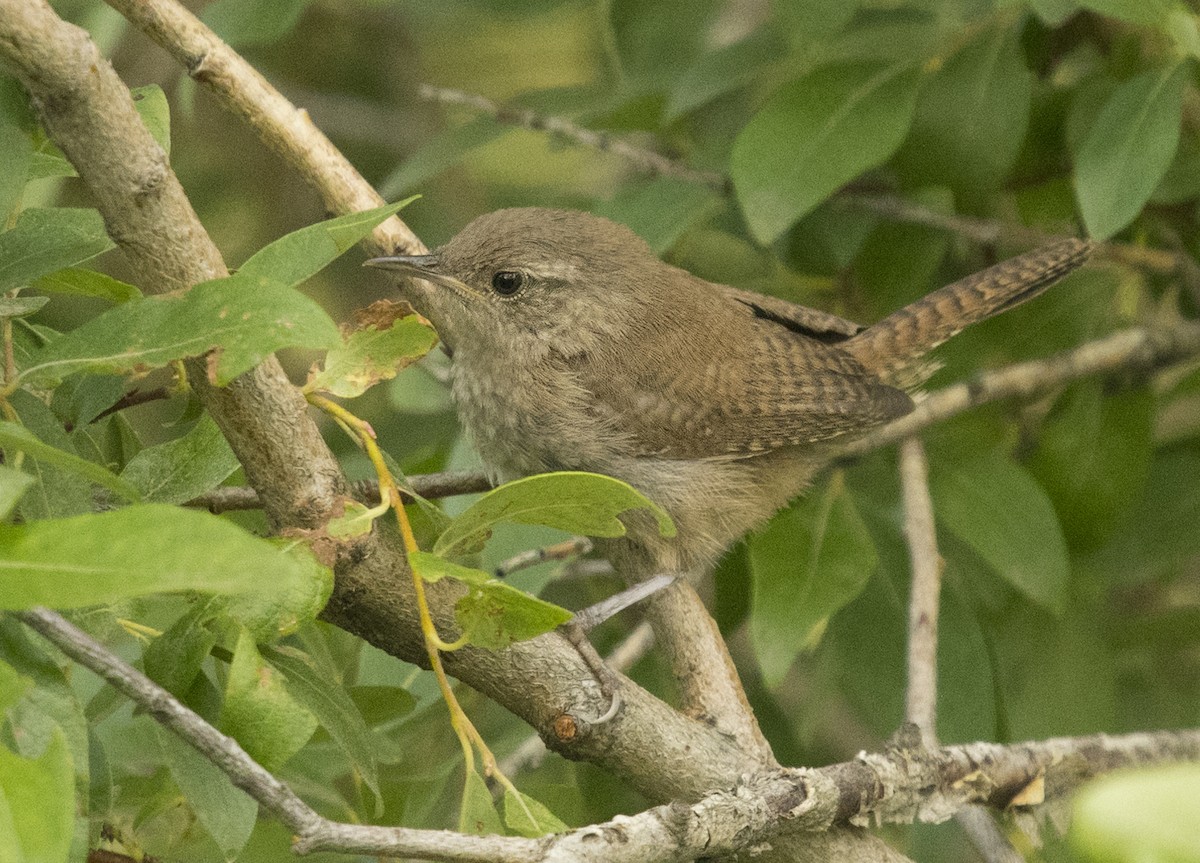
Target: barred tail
pixel 894 347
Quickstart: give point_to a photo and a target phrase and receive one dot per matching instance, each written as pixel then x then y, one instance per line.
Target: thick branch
pixel 896 786
pixel 89 113
pixel 280 124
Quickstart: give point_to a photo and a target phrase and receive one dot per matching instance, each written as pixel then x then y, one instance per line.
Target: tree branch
pixel 1128 350
pixel 88 112
pixel 232 498
pixel 920 696
pixel 897 786
pixel 891 207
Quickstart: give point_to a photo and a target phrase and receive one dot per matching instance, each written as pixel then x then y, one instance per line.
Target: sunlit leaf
pixel 13 484
pixel 239 319
pixel 388 339
pixel 301 254
pixel 526 816
pixel 37 804
pixel 147 548
pixel 585 503
pixel 493 614
pixel 1142 816
pixel 478 815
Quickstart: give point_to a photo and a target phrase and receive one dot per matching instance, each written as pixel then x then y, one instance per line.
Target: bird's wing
pixel 814 323
pixel 754 386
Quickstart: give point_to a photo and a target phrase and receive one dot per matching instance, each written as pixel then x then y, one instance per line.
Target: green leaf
pixel 439 153
pixel 16 144
pixel 1128 149
pixel 661 210
pixel 814 136
pixel 299 255
pixel 528 817
pixel 174 658
pixel 147 548
pixel 16 438
pixel 478 815
pixel 258 712
pixel 641 28
pixel 13 484
pixel 58 493
pixel 724 70
pixel 13 687
pixel 87 283
pixel 356 520
pixel 45 240
pixel 151 104
pixel 388 341
pixel 1151 13
pixel 493 614
pixel 242 320
pixel 252 22
pixel 225 811
pixel 180 469
pixel 20 307
pixel 810 561
pixel 37 804
pixel 1093 456
pixel 585 503
pixel 1000 511
pixel 972 116
pixel 281 612
pixel 319 688
pixel 1141 816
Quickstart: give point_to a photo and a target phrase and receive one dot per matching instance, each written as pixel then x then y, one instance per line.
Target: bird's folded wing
pixel 727 402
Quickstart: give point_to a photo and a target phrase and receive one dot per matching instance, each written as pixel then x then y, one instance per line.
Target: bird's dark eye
pixel 507 282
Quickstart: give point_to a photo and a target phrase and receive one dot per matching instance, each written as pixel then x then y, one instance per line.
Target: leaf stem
pixel 468 736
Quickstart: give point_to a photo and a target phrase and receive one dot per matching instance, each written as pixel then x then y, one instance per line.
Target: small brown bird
pixel 575 348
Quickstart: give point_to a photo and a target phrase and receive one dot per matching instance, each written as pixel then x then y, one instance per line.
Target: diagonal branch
pixel 1135 349
pixel 89 113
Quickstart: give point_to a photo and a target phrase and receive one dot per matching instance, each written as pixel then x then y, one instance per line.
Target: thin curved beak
pixel 423 267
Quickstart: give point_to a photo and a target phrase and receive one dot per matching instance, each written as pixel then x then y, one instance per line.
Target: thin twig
pixel 641 158
pixel 892 207
pixel 430 486
pixel 576 546
pixel 920 697
pixel 1123 351
pixel 246 773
